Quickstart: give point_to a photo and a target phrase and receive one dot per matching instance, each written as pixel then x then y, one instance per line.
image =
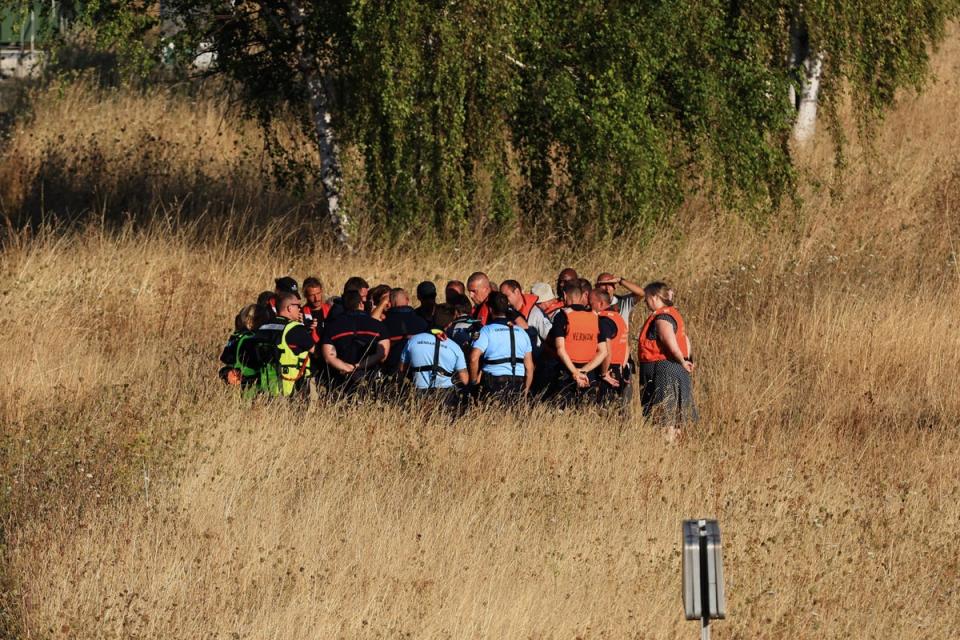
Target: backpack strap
pixel 513 352
pixel 435 369
pixel 436 361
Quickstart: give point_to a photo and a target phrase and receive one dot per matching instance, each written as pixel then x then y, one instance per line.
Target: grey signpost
pixel 703 573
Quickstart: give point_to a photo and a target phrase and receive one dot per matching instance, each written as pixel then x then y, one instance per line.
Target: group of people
pixel 485 342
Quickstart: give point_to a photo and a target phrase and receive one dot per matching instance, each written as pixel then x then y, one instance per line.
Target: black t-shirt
pixel 401 323
pixel 354 335
pixel 608 328
pixel 652 333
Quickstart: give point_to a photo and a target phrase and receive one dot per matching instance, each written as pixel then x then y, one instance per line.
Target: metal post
pixel 703 597
pixel 704 583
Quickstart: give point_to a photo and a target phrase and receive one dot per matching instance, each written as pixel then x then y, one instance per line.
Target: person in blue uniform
pixel 501 360
pixel 435 363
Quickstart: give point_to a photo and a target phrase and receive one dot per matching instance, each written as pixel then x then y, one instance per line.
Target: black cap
pixel 426 289
pixel 288 284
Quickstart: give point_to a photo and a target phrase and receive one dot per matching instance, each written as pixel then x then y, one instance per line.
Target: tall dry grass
pixel 141 499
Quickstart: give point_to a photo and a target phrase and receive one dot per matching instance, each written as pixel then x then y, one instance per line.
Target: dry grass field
pixel 140 499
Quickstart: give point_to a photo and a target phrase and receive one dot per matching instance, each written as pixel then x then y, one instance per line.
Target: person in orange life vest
pixel 622 304
pixel 453 288
pixel 427 297
pixel 316 310
pixel 524 305
pixel 580 336
pixel 547 364
pixel 478 288
pixel 665 361
pixel 402 322
pixel 616 368
pixel 379 298
pixel 546 301
pixel 353 344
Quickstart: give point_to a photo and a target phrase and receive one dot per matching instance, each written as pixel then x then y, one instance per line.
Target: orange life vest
pixel 583 334
pixel 528 301
pixel 650 350
pixel 553 305
pixel 308 318
pixel 481 312
pixel 620 345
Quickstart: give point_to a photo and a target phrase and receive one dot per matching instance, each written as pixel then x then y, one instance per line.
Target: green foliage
pixel 124 29
pixel 595 115
pixel 432 108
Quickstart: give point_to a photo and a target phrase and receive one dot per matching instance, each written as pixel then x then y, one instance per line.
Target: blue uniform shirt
pixel 419 353
pixel 494 342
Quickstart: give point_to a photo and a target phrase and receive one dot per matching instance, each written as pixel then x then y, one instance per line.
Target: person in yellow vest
pixel 285 367
pixel 616 382
pixel 665 358
pixel 580 337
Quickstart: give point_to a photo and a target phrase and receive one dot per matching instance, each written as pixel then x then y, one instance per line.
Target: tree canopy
pixel 589 114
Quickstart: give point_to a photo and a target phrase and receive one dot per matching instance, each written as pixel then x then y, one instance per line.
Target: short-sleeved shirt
pixel 420 351
pixel 494 343
pixel 624 306
pixel 607 327
pixel 401 323
pixel 652 333
pixel 353 334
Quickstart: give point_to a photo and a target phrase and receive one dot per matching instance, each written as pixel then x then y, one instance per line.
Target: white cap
pixel 543 291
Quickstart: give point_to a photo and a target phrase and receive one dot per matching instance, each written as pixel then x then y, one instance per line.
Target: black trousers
pixel 506 389
pixel 451 400
pixel 569 394
pixel 359 383
pixel 617 395
pixel 545 376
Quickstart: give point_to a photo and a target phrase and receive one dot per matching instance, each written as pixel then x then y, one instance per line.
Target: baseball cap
pixel 543 291
pixel 287 283
pixel 426 289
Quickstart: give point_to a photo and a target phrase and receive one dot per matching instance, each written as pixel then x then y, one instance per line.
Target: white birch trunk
pixel 805 125
pixel 320 99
